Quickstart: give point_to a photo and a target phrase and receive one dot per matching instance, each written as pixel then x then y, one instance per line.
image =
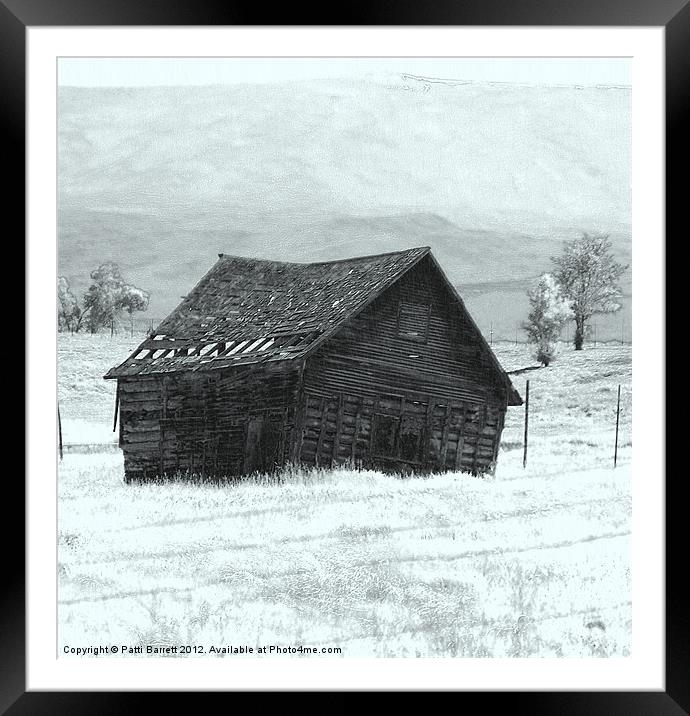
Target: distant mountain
pixel 492 177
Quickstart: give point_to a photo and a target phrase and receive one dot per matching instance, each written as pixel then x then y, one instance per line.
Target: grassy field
pixel 530 562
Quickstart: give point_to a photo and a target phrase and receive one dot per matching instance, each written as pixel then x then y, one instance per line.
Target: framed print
pixel 342 374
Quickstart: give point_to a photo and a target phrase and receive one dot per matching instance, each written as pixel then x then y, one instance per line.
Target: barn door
pixel 262 443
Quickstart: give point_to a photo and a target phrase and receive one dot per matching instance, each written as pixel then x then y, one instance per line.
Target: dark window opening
pixel 385 437
pixel 411 437
pixel 472 418
pixel 262 443
pixel 413 321
pixel 399 434
pixel 269 445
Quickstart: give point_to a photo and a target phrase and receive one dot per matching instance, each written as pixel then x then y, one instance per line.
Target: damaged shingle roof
pixel 247 311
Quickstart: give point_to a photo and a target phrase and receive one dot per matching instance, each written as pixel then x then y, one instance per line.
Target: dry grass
pixel 531 562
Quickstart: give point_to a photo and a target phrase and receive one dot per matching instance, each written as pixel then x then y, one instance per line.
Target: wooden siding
pixel 227 424
pixel 371 354
pixel 413 357
pixel 341 429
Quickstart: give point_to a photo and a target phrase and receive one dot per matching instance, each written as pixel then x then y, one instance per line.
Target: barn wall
pixel 438 435
pixel 140 413
pixel 211 424
pixel 411 358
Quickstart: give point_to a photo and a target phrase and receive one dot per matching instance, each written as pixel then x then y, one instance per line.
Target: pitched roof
pixel 246 311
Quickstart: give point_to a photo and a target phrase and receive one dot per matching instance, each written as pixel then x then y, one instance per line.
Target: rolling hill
pixel 493 177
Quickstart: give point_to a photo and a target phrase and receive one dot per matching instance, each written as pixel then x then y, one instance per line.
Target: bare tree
pixel 588 274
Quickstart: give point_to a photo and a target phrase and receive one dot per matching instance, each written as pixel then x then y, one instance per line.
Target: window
pixel 413 321
pixel 399 429
pixel 472 418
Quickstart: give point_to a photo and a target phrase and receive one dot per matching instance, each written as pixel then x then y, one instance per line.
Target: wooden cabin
pixel 371 362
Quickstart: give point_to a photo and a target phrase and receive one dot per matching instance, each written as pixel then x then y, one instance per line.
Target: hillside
pixel 493 177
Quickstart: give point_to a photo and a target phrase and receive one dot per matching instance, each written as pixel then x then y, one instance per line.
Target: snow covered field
pixel 530 562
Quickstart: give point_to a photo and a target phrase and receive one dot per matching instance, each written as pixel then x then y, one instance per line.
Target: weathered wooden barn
pixel 372 362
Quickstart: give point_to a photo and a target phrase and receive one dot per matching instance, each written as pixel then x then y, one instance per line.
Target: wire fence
pixel 123 326
pixel 608 332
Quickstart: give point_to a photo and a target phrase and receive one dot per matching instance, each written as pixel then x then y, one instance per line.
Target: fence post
pixel 618 414
pixel 59 433
pixel 524 454
pixel 117 404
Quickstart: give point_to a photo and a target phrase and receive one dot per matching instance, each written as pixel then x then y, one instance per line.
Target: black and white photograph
pixel 344 357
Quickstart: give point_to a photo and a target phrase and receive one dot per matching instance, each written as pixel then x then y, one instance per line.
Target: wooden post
pixel 59 433
pixel 338 429
pixel 117 404
pixel 461 440
pixel 524 454
pixel 161 426
pixel 204 443
pixel 323 412
pixel 618 415
pixel 444 436
pixel 358 419
pixel 491 335
pixel 298 416
pixel 427 431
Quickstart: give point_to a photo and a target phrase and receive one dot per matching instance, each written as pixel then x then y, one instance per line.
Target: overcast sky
pixel 137 72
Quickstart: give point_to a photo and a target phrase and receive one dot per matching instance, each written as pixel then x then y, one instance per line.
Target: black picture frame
pixel 17 15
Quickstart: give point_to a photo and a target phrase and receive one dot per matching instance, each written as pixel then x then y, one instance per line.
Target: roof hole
pixel 250 348
pixel 237 348
pixel 206 349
